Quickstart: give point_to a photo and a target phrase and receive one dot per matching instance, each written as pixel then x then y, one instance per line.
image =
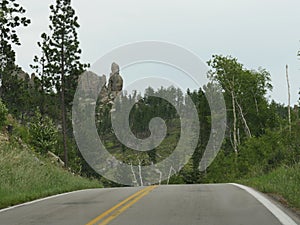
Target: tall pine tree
pixel 11 17
pixel 62 53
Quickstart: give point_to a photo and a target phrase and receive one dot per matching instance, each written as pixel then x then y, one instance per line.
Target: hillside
pixel 283 184
pixel 26 175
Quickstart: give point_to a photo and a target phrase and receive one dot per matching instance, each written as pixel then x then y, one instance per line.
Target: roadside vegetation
pixel 27 170
pixel 270 164
pixel 261 147
pixel 26 176
pixel 282 183
pixel 29 165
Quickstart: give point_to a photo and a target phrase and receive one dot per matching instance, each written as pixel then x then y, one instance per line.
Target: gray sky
pixel 260 33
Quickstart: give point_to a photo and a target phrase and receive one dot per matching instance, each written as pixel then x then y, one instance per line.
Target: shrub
pixel 43 133
pixel 3 113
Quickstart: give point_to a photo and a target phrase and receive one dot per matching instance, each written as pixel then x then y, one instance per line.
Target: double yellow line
pixel 115 211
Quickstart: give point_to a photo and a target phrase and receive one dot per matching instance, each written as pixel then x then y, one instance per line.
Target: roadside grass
pixel 283 181
pixel 24 176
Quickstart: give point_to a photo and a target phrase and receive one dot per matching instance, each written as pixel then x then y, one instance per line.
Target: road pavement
pixel 211 204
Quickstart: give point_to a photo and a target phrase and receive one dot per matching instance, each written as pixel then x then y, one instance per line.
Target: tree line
pixel 257 137
pixel 256 140
pixel 57 67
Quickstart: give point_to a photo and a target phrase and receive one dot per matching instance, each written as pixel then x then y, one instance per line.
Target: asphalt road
pixel 218 204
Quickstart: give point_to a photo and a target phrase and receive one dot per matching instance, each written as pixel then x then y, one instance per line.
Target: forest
pixel 262 136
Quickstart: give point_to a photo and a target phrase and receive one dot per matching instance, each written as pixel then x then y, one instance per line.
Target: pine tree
pixel 10 19
pixel 41 68
pixel 62 53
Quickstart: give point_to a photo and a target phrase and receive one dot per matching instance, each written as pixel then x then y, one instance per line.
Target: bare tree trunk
pixel 289 98
pixel 256 105
pixel 63 107
pixel 235 144
pixel 244 120
pixel 140 173
pixel 230 138
pixel 134 177
pixel 238 136
pixel 160 175
pixel 169 176
pixel 42 108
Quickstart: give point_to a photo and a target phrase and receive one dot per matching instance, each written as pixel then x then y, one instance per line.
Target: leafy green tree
pixel 244 93
pixel 225 72
pixel 62 53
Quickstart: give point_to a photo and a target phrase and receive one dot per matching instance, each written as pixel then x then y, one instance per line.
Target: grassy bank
pixel 25 176
pixel 283 181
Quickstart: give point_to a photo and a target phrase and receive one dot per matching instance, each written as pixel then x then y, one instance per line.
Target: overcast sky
pixel 260 33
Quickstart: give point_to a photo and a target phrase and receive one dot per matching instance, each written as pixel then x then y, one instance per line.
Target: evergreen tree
pixel 44 86
pixel 10 19
pixel 62 53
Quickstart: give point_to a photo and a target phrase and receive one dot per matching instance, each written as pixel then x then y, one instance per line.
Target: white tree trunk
pixel 169 176
pixel 244 119
pixel 160 175
pixel 256 105
pixel 238 136
pixel 134 177
pixel 140 173
pixel 235 144
pixel 289 98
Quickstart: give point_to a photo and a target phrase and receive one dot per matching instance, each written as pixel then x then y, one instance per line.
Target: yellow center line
pixel 126 206
pixel 109 211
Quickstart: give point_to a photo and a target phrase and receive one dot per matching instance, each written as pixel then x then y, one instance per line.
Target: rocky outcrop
pixel 103 96
pixel 115 83
pixel 31 80
pixel 91 84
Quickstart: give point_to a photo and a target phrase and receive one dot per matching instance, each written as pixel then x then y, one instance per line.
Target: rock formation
pixel 115 83
pixel 103 95
pixel 91 83
pixel 21 75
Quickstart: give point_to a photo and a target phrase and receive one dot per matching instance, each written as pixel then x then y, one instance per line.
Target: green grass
pixel 283 181
pixel 25 177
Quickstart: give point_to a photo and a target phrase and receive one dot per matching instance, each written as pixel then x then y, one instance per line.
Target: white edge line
pixel 41 199
pixel 278 213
